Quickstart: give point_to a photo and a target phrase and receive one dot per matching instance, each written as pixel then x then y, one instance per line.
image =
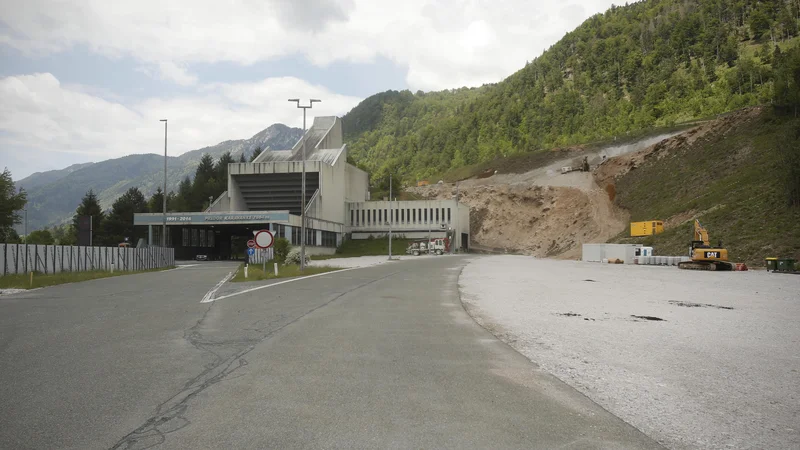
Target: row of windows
pixel 193 237
pixel 372 217
pixel 328 237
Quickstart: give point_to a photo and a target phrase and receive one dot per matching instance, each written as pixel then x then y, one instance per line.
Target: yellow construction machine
pixel 704 256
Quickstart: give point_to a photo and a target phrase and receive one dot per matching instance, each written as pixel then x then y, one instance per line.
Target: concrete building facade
pixel 267 194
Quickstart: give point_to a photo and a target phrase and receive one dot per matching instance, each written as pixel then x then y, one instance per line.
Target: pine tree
pixel 11 202
pixel 156 202
pixel 222 166
pixel 256 152
pixel 90 207
pixel 242 158
pixel 119 223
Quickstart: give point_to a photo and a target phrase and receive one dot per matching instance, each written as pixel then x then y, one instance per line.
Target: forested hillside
pixel 650 64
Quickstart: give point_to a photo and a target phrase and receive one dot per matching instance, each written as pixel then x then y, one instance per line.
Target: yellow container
pixel 647 228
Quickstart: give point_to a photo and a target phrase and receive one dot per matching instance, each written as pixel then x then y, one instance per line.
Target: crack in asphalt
pixel 170 415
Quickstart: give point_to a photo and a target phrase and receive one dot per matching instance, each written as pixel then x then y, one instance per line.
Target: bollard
pixel 276 269
pixel 112 267
pixel 31 280
pixel 245 271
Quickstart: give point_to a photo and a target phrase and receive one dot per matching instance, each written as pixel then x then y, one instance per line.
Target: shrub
pixel 294 256
pixel 281 250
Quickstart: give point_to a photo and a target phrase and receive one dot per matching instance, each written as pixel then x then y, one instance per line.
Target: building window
pixel 426 215
pixel 202 238
pixel 363 218
pixel 351 218
pixel 328 239
pixel 385 216
pixel 194 237
pixel 437 215
pixel 380 217
pixel 402 215
pixel 448 215
pixel 311 237
pixel 296 235
pixel 185 237
pixel 211 238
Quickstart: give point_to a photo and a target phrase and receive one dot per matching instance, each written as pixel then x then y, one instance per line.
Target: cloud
pixel 444 43
pixel 169 71
pixel 39 114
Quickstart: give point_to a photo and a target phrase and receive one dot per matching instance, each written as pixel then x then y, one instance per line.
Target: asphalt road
pixel 381 357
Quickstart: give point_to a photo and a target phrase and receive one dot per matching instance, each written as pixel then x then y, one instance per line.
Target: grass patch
pixel 734 183
pixel 256 273
pixel 40 279
pixel 367 247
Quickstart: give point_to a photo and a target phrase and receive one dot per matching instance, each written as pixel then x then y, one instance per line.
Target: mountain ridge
pixel 54 195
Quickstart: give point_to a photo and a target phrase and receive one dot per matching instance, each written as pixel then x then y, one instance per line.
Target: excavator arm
pixel 700 233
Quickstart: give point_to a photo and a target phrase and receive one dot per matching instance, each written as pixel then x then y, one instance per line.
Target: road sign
pixel 251 243
pixel 264 239
pixel 251 251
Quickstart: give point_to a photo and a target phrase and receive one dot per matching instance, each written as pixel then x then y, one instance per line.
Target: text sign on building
pixel 210 219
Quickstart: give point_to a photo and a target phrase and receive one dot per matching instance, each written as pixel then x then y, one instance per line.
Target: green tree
pixel 256 152
pixel 787 80
pixel 156 202
pixel 11 202
pixel 12 237
pixel 281 250
pixel 242 158
pixel 40 237
pixel 759 23
pixel 64 235
pixel 118 225
pixel 90 207
pixel 222 166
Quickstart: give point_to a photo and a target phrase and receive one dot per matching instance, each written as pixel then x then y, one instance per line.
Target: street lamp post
pixel 26 225
pixel 303 185
pixel 164 193
pixel 391 216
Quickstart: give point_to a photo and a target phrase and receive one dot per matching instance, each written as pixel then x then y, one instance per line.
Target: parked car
pixel 201 257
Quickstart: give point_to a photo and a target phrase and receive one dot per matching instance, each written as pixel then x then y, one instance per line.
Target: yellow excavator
pixel 704 256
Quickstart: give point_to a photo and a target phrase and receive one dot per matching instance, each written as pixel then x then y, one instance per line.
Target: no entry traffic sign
pixel 251 243
pixel 264 239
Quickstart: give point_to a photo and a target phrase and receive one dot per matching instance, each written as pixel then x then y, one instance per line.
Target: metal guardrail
pixel 22 258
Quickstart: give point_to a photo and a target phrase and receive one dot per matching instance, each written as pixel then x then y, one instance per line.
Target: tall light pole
pixel 164 203
pixel 26 225
pixel 391 216
pixel 303 187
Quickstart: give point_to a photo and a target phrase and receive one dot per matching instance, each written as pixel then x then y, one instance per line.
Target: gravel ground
pixel 365 261
pixel 11 291
pixel 721 370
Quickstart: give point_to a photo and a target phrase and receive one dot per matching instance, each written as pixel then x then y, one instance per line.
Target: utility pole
pixel 430 225
pixel 164 199
pixel 391 216
pixel 303 185
pixel 26 225
pixel 456 235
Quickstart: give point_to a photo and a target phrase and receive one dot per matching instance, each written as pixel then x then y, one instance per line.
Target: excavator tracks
pixel 706 265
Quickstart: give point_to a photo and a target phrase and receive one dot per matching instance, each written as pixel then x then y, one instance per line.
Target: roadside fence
pixel 23 258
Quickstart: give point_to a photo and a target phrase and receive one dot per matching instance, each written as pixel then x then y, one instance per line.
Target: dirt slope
pixel 541 221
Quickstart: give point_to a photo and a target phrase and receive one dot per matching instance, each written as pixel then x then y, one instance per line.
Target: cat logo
pixel 712 254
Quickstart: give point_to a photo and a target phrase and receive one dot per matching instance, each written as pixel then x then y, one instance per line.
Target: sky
pixel 89 80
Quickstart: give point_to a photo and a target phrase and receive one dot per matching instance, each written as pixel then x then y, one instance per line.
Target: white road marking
pixel 209 297
pixel 283 282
